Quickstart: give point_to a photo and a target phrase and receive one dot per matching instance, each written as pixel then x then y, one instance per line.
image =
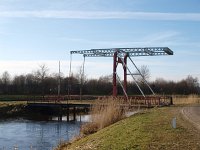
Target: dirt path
pixel 192 114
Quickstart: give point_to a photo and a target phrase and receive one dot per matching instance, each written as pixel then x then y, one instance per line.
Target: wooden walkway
pixel 133 101
pixel 58 105
pixel 62 106
pixel 58 109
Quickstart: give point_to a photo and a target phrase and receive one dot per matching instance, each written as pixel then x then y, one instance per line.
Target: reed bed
pixel 104 113
pixel 186 99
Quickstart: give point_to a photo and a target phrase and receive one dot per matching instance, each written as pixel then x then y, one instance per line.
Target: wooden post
pixel 67 113
pixel 74 113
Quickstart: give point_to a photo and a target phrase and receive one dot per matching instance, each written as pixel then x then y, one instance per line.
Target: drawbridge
pixel 122 56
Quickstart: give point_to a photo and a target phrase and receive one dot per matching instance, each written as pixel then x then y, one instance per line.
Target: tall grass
pixel 104 113
pixel 186 99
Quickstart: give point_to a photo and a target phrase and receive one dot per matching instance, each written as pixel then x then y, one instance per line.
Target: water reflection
pixel 46 135
pixel 39 135
pixel 79 118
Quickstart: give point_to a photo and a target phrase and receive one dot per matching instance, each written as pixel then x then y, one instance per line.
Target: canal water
pixel 23 134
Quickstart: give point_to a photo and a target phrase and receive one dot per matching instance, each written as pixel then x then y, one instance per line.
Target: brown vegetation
pixel 104 113
pixel 186 99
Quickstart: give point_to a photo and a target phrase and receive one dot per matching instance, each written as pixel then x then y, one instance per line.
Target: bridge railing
pixel 148 101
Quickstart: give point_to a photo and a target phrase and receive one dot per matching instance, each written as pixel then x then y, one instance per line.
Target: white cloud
pixel 160 39
pixel 172 39
pixel 24 67
pixel 161 36
pixel 92 69
pixel 102 15
pixel 95 68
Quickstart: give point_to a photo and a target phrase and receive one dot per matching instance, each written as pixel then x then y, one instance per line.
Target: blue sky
pixel 33 32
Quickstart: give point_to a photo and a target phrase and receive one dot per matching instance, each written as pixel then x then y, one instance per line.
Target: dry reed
pixel 186 99
pixel 104 113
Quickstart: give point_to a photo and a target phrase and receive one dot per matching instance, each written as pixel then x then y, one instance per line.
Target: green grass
pixel 13 97
pixel 148 130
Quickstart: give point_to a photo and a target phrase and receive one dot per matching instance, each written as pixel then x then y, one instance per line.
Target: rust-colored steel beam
pixel 114 74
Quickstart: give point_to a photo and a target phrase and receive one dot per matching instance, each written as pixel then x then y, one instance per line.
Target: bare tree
pixel 30 83
pixel 6 80
pixel 41 74
pixel 82 79
pixel 107 78
pixel 192 84
pixel 59 77
pixel 19 83
pixel 145 74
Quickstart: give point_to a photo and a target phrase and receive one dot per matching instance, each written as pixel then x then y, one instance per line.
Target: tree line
pixel 40 82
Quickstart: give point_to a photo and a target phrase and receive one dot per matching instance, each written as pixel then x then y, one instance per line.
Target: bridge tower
pixel 121 56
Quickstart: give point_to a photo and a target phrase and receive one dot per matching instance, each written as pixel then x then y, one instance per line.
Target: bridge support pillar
pixel 114 74
pixel 67 113
pixel 74 113
pixel 117 60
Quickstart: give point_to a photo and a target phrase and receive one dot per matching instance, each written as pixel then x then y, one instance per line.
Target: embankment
pixel 12 109
pixel 150 129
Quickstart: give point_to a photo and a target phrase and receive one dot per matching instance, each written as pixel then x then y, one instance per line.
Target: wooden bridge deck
pixel 133 101
pixel 58 105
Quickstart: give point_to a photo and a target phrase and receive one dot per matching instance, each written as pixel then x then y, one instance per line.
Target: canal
pixel 38 133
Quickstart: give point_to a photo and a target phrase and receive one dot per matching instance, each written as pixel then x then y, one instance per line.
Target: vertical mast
pixel 59 80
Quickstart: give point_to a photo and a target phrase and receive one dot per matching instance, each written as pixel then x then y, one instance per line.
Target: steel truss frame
pixel 146 51
pixel 120 55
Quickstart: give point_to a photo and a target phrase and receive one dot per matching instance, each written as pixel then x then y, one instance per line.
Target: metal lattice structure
pixel 133 52
pixel 120 56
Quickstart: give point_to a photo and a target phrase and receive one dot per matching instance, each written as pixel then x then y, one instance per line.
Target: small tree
pixel 6 80
pixel 142 77
pixel 41 74
pixel 82 79
pixel 19 84
pixel 192 84
pixel 145 72
pixel 31 84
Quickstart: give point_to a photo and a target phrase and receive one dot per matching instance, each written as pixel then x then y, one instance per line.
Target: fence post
pixel 171 100
pixel 174 123
pixel 15 147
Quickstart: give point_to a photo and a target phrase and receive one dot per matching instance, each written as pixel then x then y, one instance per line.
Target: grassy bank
pixel 148 130
pixel 12 109
pixel 14 97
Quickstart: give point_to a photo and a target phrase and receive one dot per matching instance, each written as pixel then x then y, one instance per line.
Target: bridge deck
pixel 133 101
pixel 58 105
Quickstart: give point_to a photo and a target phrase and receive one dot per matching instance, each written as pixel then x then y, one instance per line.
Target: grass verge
pixel 148 130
